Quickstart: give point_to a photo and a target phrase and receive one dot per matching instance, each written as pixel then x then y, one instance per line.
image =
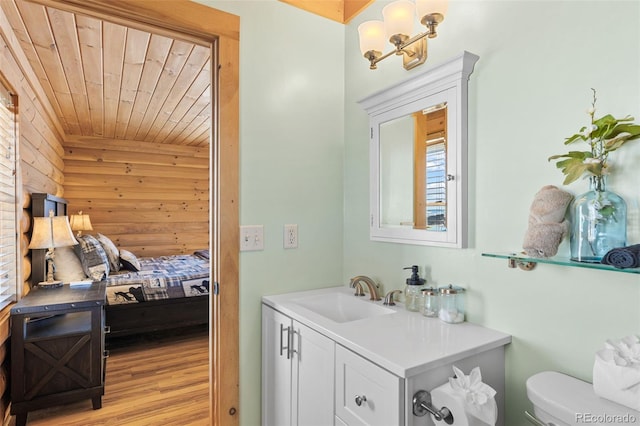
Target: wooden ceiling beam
pixel 337 10
pixel 353 8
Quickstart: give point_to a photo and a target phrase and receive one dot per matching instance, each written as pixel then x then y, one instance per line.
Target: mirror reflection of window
pixel 430 169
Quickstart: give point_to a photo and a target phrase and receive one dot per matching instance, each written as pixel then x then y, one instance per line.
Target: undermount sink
pixel 340 307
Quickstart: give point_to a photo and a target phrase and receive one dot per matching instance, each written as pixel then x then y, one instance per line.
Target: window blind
pixel 436 185
pixel 8 220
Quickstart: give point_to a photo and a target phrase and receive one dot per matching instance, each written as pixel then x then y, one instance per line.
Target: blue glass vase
pixel 599 222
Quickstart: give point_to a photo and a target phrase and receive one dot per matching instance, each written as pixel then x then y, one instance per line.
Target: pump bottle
pixel 413 290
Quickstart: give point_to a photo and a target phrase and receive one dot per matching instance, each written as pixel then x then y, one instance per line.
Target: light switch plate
pixel 251 237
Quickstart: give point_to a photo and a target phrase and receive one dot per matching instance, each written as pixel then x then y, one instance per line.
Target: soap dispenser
pixel 413 290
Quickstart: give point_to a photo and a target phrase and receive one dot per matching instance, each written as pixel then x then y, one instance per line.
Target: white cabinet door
pixel 313 376
pixel 276 368
pixel 297 373
pixel 366 394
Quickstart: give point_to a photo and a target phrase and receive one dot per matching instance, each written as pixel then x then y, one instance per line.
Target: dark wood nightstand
pixel 57 348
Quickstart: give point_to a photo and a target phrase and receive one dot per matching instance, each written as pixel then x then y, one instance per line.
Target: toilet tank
pixel 564 400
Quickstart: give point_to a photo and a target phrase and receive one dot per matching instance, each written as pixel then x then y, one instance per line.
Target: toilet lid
pixel 566 397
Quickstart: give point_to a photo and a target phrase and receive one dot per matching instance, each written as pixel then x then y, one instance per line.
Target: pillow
pixel 112 252
pixel 129 261
pixel 68 266
pixel 93 258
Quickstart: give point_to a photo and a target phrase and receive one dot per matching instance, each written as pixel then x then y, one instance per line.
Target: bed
pixel 165 293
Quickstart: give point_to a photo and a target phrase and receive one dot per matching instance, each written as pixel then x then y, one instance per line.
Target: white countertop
pixel 404 343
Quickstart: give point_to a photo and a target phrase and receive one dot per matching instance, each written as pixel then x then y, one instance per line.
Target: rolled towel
pixel 478 396
pixel 623 257
pixel 547 224
pixel 616 372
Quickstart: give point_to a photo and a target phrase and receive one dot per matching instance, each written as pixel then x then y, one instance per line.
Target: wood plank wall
pixel 40 169
pixel 151 199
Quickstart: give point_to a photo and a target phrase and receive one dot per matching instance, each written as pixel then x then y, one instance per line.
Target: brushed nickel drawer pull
pixel 282 347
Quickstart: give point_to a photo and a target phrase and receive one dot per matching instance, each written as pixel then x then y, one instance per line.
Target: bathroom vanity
pixel 329 357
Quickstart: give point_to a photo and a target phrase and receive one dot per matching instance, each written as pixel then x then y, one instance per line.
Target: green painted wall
pixel 529 90
pixel 304 159
pixel 291 162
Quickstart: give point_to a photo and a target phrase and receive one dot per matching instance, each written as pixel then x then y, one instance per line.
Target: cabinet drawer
pixel 366 394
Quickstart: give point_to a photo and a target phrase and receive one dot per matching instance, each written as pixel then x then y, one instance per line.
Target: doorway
pixel 220 31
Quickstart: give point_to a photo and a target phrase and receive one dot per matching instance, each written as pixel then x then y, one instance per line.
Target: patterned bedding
pixel 164 277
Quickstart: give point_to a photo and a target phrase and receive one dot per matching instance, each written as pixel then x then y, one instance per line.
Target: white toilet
pixel 561 400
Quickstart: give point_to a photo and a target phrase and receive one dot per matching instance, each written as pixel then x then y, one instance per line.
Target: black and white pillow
pixel 95 262
pixel 113 254
pixel 129 261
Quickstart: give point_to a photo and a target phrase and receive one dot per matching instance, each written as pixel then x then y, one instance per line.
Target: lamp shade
pixel 51 232
pixel 429 7
pixel 371 36
pixel 80 222
pixel 399 18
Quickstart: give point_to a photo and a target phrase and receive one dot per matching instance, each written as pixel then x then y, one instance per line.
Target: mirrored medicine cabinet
pixel 418 157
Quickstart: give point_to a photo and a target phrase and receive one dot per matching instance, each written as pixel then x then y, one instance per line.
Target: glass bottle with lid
pixel 431 302
pixel 413 290
pixel 451 304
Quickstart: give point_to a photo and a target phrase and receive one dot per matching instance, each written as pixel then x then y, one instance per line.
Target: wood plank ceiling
pixel 107 80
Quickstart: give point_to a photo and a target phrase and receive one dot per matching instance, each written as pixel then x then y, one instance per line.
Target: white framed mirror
pixel 418 157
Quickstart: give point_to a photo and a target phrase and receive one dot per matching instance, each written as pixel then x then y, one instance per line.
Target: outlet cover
pixel 291 236
pixel 251 238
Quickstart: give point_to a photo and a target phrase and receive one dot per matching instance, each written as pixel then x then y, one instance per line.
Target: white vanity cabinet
pixel 365 393
pixel 323 367
pixel 297 373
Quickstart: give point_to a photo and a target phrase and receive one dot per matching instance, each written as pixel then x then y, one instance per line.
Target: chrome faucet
pixel 373 287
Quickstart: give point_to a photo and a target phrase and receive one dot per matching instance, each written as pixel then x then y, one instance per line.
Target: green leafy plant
pixel 604 135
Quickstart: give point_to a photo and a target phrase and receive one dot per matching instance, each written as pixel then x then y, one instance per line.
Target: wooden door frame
pixel 220 31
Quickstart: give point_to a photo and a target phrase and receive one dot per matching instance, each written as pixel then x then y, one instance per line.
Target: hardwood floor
pixel 151 380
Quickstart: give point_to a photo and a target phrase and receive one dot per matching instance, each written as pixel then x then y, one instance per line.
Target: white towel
pixel 479 397
pixel 616 372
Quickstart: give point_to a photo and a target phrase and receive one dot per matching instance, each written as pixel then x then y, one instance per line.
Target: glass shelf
pixel 528 263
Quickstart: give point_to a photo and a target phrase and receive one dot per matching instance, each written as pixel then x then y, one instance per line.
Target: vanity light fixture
pixel 397 28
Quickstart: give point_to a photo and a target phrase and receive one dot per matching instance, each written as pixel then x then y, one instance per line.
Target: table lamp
pixel 48 233
pixel 80 222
